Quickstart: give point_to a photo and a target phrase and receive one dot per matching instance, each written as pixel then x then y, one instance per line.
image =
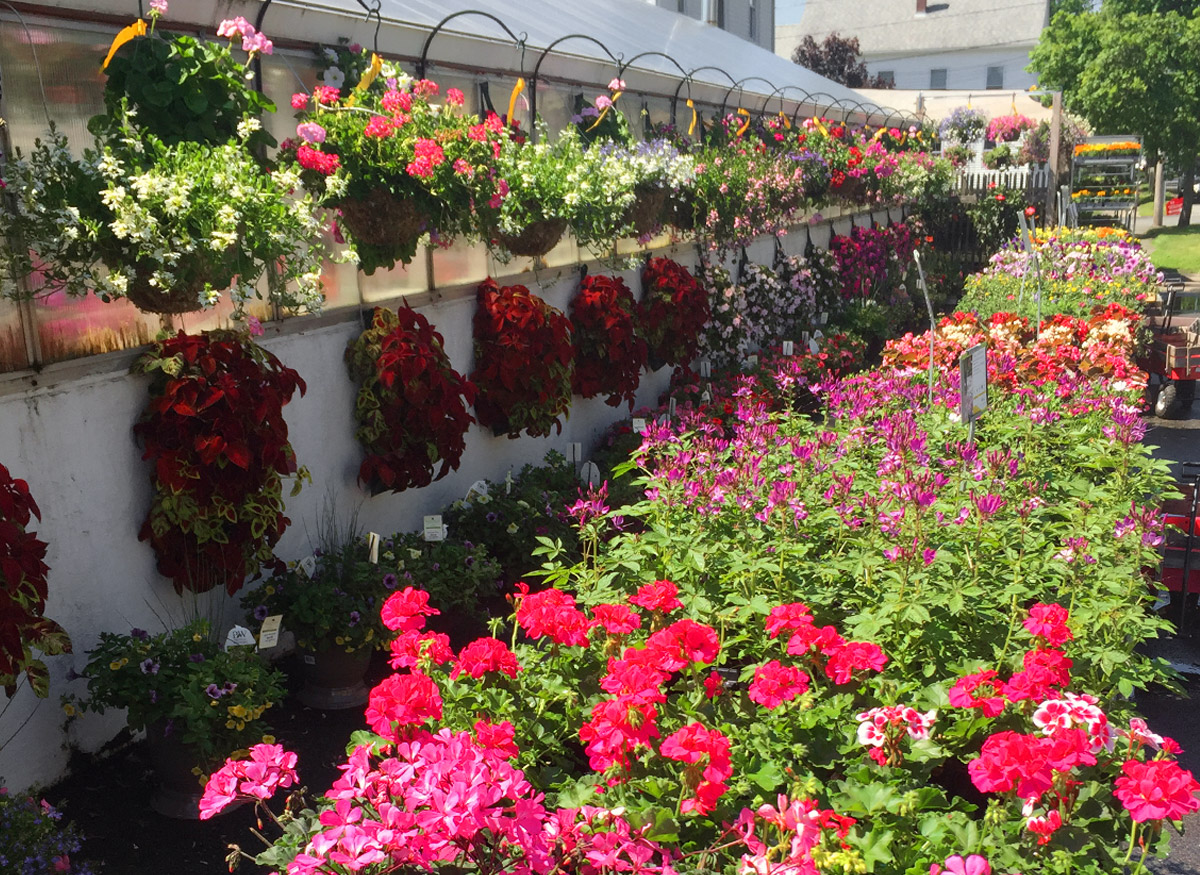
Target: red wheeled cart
pixel 1173 358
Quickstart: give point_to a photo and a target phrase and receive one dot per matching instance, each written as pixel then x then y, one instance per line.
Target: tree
pixel 1133 66
pixel 838 59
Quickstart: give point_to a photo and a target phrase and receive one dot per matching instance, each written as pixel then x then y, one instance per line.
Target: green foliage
pixel 459 575
pixel 513 514
pixel 183 680
pixel 182 88
pixel 336 607
pixel 995 215
pixel 1128 68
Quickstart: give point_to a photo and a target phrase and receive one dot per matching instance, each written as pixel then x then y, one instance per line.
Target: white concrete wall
pixel 963 69
pixel 67 431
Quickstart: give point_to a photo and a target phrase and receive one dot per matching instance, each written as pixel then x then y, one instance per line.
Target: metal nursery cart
pixel 1173 357
pixel 1105 187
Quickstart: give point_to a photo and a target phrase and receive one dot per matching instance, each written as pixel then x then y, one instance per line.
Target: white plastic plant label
pixel 813 346
pixel 479 489
pixel 308 565
pixel 373 548
pixel 434 530
pixel 705 369
pixel 671 407
pixel 590 474
pixel 788 347
pixel 268 635
pixel 239 636
pixel 639 424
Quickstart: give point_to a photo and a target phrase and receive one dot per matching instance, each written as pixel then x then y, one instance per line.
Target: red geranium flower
pixel 1157 790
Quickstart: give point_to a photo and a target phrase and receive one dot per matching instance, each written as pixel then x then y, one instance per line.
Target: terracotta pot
pixel 382 219
pixel 536 239
pixel 178 788
pixel 334 679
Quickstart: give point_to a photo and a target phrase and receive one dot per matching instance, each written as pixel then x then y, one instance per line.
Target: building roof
pixel 627 27
pixel 894 27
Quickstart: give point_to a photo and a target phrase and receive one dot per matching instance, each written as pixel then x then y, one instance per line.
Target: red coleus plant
pixel 215 433
pixel 672 312
pixel 609 353
pixel 523 361
pixel 412 405
pixel 23 592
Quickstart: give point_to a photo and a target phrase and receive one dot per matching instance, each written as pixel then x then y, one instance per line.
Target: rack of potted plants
pixel 166 210
pixel 331 603
pixel 395 163
pixel 197 701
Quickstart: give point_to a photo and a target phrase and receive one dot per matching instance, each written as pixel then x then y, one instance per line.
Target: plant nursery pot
pixel 334 679
pixel 177 789
pixel 382 219
pixel 647 211
pixel 536 239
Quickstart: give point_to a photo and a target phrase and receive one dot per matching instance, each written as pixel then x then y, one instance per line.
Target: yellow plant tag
pixel 138 28
pixel 512 99
pixel 746 123
pixel 369 75
pixel 692 126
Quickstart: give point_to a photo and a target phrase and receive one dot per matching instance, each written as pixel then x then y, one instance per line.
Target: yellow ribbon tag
pixel 369 75
pixel 692 126
pixel 138 28
pixel 787 122
pixel 512 99
pixel 820 127
pixel 878 135
pixel 604 112
pixel 746 123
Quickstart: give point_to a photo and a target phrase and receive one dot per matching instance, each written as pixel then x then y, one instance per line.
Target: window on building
pixel 937 79
pixel 887 76
pixel 753 21
pixel 995 77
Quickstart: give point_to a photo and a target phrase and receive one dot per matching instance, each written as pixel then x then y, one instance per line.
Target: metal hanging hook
pixel 423 61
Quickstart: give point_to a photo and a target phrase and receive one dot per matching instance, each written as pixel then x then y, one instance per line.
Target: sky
pixel 788 11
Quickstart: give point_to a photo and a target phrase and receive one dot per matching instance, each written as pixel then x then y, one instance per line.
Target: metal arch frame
pixel 533 79
pixel 813 102
pixel 739 84
pixel 422 62
pixel 691 80
pixel 625 65
pixel 780 91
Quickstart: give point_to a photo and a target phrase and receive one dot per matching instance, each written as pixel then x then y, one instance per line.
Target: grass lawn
pixel 1176 247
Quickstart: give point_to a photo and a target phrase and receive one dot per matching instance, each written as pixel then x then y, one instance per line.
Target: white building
pixel 752 20
pixel 930 45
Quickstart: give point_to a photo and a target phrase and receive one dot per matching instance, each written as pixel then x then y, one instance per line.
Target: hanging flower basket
pixel 646 214
pixel 681 212
pixel 536 239
pixel 382 219
pixel 181 297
